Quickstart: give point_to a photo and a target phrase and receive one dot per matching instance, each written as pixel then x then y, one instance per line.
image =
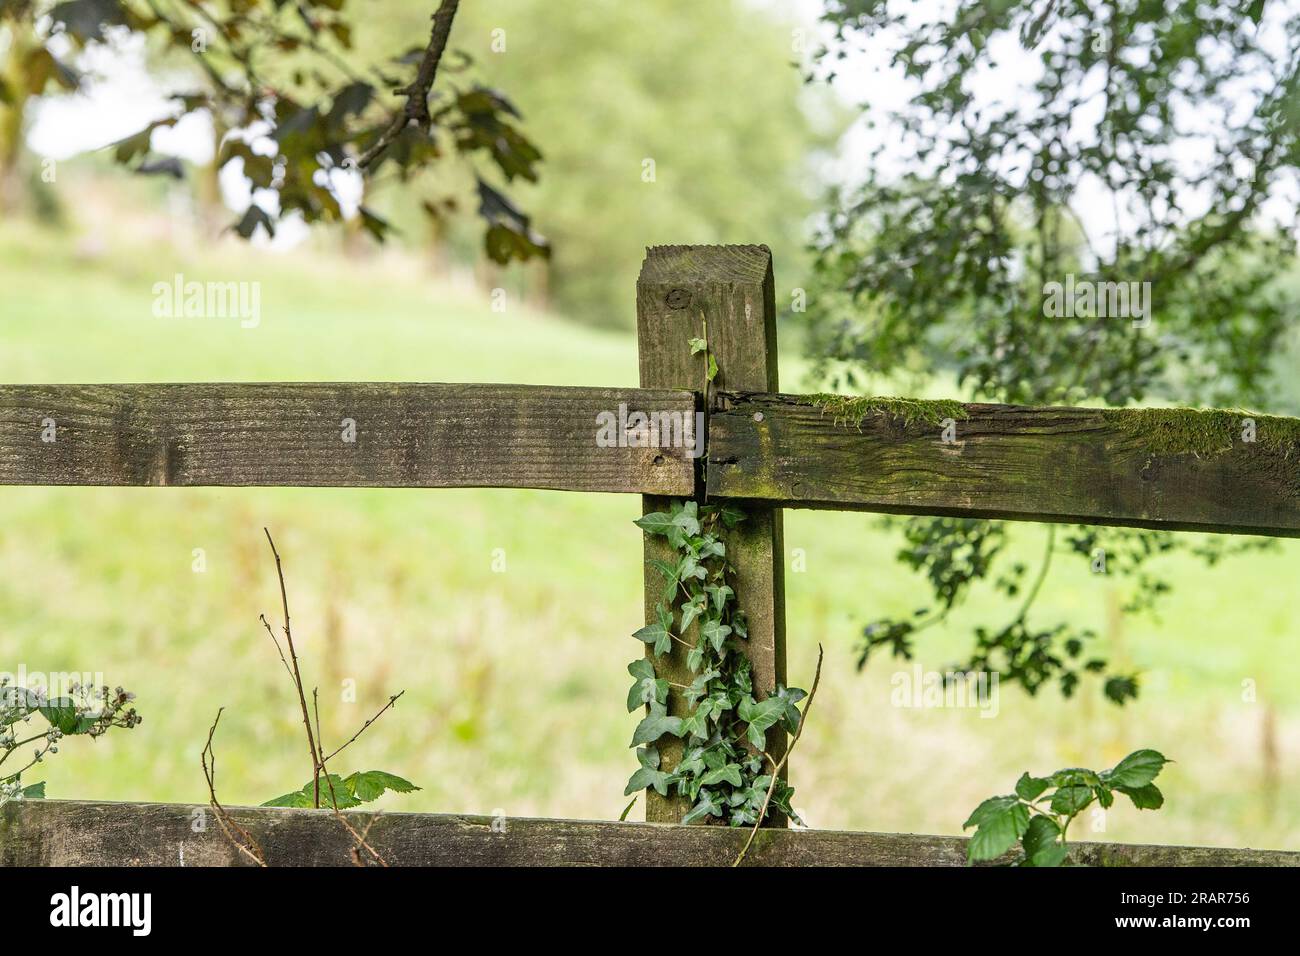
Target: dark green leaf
pixel 1041 833
pixel 998 830
pixel 1136 770
pixel 654 523
pixel 1148 797
pixel 1030 788
pixel 655 725
pixel 1070 800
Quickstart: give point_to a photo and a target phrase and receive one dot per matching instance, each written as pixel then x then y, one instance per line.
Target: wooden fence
pixel 1170 469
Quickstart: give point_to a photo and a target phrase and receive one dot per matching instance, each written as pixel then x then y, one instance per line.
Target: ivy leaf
pixel 713 368
pixel 731 515
pixel 667 570
pixel 691 568
pixel 649 775
pixel 728 772
pixel 655 634
pixel 655 725
pixel 1031 788
pixel 1136 770
pixel 645 778
pixel 712 547
pixel 690 611
pixel 791 696
pixel 695 659
pixel 693 762
pixel 687 519
pixel 696 725
pixel 698 345
pixel 760 716
pixel 715 632
pixel 707 806
pixel 641 692
pixel 741 624
pixel 657 522
pixel 720 595
pixel 699 687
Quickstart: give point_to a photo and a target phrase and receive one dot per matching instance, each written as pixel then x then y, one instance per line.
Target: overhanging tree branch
pixel 416 110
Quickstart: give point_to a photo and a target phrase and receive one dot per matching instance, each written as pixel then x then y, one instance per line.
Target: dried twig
pixel 778 766
pixel 294 672
pixel 239 838
pixel 416 109
pixel 315 740
pixel 358 838
pixel 391 701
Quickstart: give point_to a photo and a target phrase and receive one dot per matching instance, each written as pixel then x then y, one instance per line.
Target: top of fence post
pixel 725 296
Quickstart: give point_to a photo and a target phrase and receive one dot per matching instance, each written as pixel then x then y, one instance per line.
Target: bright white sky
pixel 126 99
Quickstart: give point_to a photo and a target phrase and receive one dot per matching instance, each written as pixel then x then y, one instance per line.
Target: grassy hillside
pixel 515 681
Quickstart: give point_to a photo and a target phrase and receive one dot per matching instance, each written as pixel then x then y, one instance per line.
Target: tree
pixel 1185 118
pixel 300 116
pixel 670 122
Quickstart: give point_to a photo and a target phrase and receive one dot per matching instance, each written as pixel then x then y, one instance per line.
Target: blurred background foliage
pixel 515 680
pixel 703 90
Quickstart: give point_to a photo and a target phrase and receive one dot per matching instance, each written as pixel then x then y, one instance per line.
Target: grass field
pixel 515 681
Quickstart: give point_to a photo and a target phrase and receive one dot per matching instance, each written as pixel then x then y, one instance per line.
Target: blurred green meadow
pixel 515 680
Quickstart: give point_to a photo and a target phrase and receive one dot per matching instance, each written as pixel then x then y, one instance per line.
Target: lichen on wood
pixel 854 409
pixel 1204 432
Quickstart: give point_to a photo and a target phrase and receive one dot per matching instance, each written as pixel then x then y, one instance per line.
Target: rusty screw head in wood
pixel 678 299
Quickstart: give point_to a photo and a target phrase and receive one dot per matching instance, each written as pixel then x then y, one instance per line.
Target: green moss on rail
pixel 1203 431
pixel 853 409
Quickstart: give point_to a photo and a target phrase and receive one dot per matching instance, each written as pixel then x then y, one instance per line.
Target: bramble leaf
pixel 1136 770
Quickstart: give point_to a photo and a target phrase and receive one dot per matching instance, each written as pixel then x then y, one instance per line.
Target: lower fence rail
pixel 84 833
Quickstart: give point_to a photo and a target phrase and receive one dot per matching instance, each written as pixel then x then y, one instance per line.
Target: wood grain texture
pixel 665 324
pixel 407 436
pixel 75 833
pixel 1091 466
pixel 724 295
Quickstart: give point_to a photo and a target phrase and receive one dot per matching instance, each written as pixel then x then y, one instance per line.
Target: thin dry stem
pixel 239 838
pixel 778 765
pixel 296 673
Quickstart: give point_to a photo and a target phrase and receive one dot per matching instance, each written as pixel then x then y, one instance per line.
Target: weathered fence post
pixel 725 296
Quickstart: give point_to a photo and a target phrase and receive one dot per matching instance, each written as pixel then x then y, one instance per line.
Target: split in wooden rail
pixel 396 435
pixel 1172 469
pixel 77 833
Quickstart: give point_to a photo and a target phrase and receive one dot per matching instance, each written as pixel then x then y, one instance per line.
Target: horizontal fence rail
pixel 1174 469
pixel 76 833
pixel 364 435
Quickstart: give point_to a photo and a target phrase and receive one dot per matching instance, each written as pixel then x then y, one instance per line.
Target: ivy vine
pixel 725 770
